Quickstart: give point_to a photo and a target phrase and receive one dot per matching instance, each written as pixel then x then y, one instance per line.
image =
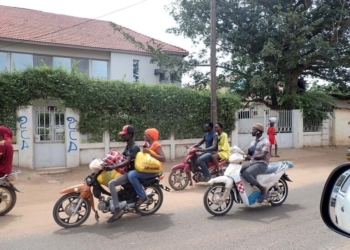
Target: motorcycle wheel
pixel 283 192
pixel 178 179
pixel 8 199
pixel 214 193
pixel 155 201
pixel 64 208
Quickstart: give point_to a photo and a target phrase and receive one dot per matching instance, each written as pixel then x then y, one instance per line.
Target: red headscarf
pixel 6 132
pixel 153 133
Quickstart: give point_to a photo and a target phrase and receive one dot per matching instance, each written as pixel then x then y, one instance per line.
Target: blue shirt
pixel 209 138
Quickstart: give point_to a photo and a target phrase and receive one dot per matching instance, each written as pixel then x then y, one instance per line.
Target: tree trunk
pixel 291 88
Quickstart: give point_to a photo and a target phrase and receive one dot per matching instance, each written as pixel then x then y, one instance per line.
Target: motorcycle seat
pixel 273 167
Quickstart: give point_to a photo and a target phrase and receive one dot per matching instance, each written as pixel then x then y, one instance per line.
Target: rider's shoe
pixel 140 201
pixel 263 198
pixel 206 179
pixel 117 214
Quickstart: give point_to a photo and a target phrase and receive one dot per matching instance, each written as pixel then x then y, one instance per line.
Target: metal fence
pixel 312 126
pixel 247 118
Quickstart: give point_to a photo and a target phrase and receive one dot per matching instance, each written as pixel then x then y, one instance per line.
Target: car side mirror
pixel 335 200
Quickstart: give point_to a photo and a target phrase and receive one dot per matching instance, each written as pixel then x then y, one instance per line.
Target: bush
pixel 108 105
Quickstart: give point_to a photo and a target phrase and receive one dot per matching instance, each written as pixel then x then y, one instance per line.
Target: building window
pixel 3 61
pixel 65 63
pixel 82 65
pixel 21 61
pixel 99 69
pixel 40 60
pixel 135 72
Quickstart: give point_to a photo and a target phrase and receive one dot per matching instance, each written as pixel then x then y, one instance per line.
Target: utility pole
pixel 213 102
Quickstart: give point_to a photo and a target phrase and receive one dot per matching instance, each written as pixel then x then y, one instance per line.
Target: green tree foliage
pixel 108 105
pixel 265 46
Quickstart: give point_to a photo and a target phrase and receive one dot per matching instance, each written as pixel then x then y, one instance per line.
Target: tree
pixel 266 46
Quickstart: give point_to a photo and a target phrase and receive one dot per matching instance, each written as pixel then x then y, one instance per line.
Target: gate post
pixel 234 133
pixel 298 129
pixel 72 138
pixel 25 137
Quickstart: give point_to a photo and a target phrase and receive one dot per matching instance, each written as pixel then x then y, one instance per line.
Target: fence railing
pixel 248 117
pixel 312 126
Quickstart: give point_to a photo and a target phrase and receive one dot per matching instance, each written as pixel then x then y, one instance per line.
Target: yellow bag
pixel 106 176
pixel 145 163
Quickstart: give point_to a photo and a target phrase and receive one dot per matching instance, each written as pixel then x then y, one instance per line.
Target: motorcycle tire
pixel 64 222
pixel 208 203
pixel 144 210
pixel 282 183
pixel 13 198
pixel 173 183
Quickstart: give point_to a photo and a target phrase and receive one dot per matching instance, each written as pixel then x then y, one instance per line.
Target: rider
pixel 210 140
pixel 6 150
pixel 223 152
pixel 154 149
pixel 259 156
pixel 130 152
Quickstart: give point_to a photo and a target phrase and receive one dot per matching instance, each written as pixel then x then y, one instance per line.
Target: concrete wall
pixel 312 139
pixel 341 127
pixel 122 68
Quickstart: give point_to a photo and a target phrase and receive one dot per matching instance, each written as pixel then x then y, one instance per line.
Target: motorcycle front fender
pixel 222 179
pixel 84 193
pixel 184 166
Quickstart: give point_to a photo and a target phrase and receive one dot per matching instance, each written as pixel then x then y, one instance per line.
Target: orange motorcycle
pixel 74 207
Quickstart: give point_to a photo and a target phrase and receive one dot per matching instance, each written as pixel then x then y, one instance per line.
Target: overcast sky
pixel 148 17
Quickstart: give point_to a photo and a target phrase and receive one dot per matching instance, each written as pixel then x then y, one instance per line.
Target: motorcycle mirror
pixel 335 200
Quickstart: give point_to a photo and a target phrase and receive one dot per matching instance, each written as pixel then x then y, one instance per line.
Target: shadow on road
pixel 8 219
pixel 128 224
pixel 264 214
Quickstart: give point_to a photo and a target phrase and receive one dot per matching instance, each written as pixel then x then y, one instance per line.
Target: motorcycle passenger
pixel 259 156
pixel 130 152
pixel 210 140
pixel 153 148
pixel 223 152
pixel 6 150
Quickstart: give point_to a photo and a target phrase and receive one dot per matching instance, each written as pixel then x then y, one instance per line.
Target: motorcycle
pixel 180 175
pixel 225 190
pixel 74 207
pixel 8 196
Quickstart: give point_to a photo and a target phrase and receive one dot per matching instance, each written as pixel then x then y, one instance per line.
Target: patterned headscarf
pixel 7 133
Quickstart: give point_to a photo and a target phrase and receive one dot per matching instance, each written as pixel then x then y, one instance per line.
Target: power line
pixel 90 20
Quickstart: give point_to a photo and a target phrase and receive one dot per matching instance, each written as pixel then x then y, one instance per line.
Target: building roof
pixel 42 27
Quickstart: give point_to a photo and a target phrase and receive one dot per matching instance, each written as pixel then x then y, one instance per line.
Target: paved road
pixel 294 225
pixel 182 222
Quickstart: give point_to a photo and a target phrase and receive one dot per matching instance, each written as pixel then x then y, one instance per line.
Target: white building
pixel 46 135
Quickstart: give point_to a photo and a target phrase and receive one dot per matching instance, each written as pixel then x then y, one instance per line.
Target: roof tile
pixel 43 27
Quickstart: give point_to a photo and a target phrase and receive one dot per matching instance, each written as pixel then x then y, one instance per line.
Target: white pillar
pixel 325 132
pixel 106 141
pixel 297 128
pixel 72 138
pixel 234 133
pixel 25 137
pixel 172 147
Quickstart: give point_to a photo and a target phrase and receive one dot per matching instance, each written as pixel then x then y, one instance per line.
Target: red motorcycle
pixel 180 175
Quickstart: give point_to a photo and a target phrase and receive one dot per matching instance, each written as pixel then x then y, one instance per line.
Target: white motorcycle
pixel 231 187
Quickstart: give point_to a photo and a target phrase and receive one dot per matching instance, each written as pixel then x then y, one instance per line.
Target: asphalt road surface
pixel 182 222
pixel 294 225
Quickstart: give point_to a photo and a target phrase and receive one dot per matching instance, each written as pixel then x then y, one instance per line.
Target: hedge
pixel 108 105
